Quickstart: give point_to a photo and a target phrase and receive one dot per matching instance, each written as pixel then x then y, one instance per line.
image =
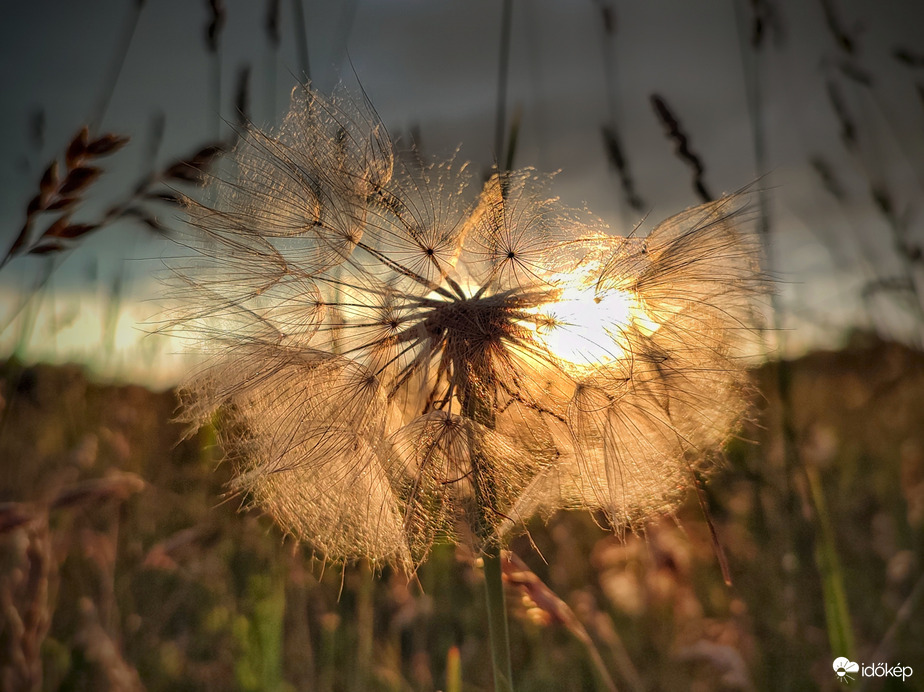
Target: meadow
pixel 124 569
pixel 127 562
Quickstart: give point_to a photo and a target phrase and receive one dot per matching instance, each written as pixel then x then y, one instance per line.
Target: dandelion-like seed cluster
pixel 393 363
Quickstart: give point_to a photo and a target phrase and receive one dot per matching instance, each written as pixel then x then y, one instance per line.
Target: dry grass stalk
pixel 25 606
pixel 612 142
pixel 675 133
pixel 845 40
pixel 27 592
pixel 60 195
pixel 103 652
pixel 765 21
pixel 518 573
pixel 617 159
pixel 271 24
pixel 216 23
pixel 115 485
pixel 908 57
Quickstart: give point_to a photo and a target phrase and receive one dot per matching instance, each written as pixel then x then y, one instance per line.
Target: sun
pixel 586 326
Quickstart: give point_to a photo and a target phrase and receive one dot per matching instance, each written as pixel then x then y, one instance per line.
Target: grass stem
pixel 497 619
pixel 837 613
pixel 481 412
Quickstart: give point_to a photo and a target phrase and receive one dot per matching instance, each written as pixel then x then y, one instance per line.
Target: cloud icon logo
pixel 843 667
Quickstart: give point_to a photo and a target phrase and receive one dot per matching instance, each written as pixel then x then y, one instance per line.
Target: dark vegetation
pixel 122 564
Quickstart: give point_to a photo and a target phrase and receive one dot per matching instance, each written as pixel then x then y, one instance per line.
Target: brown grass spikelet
pixel 59 195
pixel 396 364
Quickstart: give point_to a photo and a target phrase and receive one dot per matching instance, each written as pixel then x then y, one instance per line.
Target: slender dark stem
pixel 481 412
pixel 497 619
pixel 301 38
pixel 115 67
pixel 501 123
pixel 215 115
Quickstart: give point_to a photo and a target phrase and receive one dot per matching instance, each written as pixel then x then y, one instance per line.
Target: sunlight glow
pixel 587 326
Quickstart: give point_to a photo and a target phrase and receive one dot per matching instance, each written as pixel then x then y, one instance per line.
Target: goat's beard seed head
pixel 394 364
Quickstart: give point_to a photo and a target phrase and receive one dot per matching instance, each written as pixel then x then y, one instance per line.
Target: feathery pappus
pixel 397 360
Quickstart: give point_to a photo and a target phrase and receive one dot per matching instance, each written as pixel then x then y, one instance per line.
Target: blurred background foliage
pixel 124 568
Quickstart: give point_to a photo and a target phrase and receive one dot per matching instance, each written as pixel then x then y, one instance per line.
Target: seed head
pixel 395 364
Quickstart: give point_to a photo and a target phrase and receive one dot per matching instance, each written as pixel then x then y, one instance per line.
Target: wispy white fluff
pixel 394 362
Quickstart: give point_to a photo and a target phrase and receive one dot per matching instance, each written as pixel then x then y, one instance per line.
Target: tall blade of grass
pixel 301 38
pixel 501 118
pixel 260 636
pixel 837 614
pixel 497 619
pixel 365 617
pixel 453 670
pixel 116 65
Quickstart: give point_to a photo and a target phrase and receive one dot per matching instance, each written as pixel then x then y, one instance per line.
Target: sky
pixel 431 69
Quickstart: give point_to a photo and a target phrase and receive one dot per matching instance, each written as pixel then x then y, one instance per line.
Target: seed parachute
pixel 394 360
